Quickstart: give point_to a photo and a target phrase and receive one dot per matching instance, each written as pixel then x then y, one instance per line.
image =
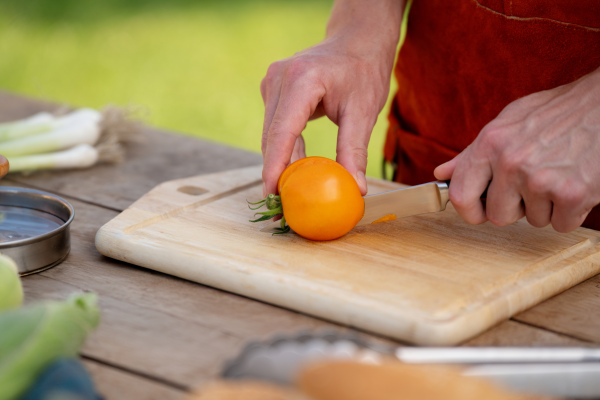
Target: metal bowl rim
pixel 35 239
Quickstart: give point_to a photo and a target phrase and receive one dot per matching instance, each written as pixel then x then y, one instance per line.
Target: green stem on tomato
pixel 275 209
pixel 284 227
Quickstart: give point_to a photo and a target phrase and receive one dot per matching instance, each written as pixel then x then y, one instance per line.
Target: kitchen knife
pixel 399 203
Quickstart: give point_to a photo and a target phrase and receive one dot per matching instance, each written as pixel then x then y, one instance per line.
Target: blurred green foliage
pixel 192 66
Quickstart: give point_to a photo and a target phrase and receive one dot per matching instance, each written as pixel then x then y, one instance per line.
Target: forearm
pixel 368 26
pixel 345 77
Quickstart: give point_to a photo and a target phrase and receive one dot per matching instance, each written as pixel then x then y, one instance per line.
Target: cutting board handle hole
pixel 192 190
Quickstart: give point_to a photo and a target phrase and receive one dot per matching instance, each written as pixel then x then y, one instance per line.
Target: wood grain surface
pixel 132 355
pixel 429 279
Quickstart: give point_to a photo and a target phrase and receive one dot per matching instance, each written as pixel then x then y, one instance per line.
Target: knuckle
pixel 298 68
pixel 534 120
pixel 356 150
pixel 518 161
pixel 279 130
pixel 570 195
pixel 457 199
pixel 367 110
pixel 360 156
pixel 539 183
pixel 273 71
pixel 493 139
pixel 464 207
pixel 512 162
pixel 360 152
pixel 272 78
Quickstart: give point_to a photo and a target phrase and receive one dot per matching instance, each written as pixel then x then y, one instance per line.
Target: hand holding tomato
pixel 318 199
pixel 346 77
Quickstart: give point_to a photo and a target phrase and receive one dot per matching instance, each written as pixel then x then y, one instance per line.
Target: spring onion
pixel 11 291
pixel 37 123
pixel 74 133
pixel 80 156
pixel 45 122
pixel 35 336
pixel 78 139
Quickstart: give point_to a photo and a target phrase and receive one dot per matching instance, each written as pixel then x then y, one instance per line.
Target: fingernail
pixel 362 182
pixel 264 189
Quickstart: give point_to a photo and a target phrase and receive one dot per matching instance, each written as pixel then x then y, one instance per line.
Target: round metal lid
pixel 34 228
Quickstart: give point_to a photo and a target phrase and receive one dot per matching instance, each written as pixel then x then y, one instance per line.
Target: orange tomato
pixel 320 199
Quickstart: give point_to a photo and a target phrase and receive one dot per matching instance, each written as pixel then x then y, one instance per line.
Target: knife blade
pixel 398 203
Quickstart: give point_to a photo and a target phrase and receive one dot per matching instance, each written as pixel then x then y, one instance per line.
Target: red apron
pixel 464 61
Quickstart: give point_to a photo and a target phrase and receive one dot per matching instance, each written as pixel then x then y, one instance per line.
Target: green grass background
pixel 192 66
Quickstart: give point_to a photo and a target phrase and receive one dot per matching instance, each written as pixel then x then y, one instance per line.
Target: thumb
pixel 352 144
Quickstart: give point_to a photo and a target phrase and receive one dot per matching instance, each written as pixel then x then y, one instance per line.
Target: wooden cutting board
pixel 429 279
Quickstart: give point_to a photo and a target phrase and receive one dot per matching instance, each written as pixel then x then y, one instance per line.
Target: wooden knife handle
pixel 3 166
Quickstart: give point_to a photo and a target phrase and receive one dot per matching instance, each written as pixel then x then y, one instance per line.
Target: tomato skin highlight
pixel 320 199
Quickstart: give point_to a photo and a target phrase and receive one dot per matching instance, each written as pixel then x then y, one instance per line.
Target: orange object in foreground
pixel 347 380
pixel 3 166
pixel 385 218
pixel 352 380
pixel 320 199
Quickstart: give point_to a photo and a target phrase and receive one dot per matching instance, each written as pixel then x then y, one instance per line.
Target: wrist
pixel 367 27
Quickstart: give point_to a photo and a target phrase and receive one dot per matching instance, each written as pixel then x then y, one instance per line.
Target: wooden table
pixel 160 336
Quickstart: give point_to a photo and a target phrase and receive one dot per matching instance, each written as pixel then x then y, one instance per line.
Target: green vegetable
pixel 46 122
pixel 35 124
pixel 34 336
pixel 78 139
pixel 81 132
pixel 11 291
pixel 80 156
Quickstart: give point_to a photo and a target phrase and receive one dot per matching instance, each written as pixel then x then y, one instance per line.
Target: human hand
pixel 540 157
pixel 346 78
